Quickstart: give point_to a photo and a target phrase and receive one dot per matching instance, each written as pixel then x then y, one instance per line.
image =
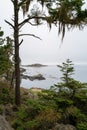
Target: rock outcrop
pixel 63 127
pixel 4 125
pixel 34 77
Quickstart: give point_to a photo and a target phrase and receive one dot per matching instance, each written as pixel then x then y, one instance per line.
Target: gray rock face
pixel 4 125
pixel 63 127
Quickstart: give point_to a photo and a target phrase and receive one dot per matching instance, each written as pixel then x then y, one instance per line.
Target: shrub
pixel 82 126
pixel 6 94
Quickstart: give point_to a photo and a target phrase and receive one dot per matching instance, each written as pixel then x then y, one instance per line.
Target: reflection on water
pixel 52 75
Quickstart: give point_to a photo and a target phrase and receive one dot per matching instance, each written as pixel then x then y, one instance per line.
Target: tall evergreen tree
pixel 67 70
pixel 68 84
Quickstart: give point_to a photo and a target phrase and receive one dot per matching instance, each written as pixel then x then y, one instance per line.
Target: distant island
pixel 36 65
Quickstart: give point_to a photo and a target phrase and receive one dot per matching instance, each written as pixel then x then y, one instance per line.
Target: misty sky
pixel 50 49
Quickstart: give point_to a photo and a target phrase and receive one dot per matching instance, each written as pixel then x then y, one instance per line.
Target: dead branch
pixel 30 35
pixel 9 24
pixel 21 42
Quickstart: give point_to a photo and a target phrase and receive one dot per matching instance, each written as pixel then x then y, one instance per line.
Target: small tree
pixel 68 84
pixel 67 69
pixel 5 56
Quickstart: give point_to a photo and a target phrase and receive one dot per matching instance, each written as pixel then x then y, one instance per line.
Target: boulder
pixel 63 127
pixel 37 77
pixel 4 125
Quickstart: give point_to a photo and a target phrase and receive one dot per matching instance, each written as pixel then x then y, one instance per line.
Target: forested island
pixel 36 65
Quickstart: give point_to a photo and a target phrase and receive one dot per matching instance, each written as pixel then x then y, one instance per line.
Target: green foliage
pixel 67 69
pixel 32 125
pixel 22 114
pixel 80 100
pixel 35 114
pixel 82 126
pixel 62 102
pixel 18 125
pixel 68 85
pixel 36 104
pixel 76 113
pixel 70 96
pixel 47 118
pixel 6 95
pixel 47 96
pixel 50 107
pixel 5 57
pixel 67 14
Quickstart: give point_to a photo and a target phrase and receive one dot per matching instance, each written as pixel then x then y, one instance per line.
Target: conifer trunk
pixel 17 61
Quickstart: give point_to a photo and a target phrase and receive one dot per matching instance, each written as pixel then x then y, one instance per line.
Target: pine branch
pixel 29 23
pixel 9 24
pixel 21 42
pixel 33 24
pixel 31 17
pixel 30 35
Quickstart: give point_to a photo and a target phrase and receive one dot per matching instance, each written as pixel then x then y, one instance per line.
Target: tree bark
pixel 17 60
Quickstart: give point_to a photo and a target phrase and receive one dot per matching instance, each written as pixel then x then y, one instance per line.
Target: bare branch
pixel 23 22
pixel 21 42
pixel 30 24
pixel 33 24
pixel 30 35
pixel 20 26
pixel 9 24
pixel 12 20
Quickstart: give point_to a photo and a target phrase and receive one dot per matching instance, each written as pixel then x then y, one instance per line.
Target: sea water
pixel 52 75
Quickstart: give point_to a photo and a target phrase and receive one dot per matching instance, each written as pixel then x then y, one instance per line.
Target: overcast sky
pixel 49 50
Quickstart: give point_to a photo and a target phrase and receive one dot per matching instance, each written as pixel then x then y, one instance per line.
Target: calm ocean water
pixel 52 75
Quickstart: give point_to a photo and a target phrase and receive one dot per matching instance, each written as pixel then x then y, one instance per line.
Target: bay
pixel 52 75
